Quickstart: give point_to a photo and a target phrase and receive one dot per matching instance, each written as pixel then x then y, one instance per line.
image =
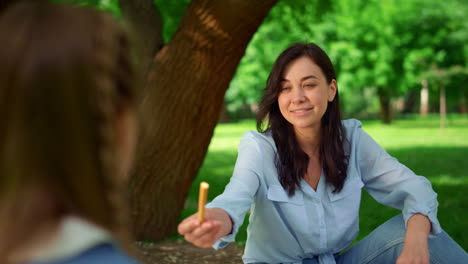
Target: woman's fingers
pixel 188 225
pixel 204 235
pixel 207 235
pixel 210 227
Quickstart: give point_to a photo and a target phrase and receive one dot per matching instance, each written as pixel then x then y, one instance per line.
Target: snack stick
pixel 202 200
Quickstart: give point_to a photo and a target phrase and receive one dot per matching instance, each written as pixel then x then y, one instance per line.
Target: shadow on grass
pixel 433 162
pixel 458 123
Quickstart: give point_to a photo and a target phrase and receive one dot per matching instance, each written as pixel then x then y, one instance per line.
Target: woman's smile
pixel 301 111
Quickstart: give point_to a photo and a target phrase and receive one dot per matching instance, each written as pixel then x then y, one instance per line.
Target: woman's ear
pixel 332 90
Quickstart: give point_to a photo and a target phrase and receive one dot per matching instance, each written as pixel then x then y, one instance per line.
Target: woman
pixel 301 178
pixel 67 135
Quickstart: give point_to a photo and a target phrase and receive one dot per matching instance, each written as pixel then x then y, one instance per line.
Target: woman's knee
pixel 384 243
pixel 443 249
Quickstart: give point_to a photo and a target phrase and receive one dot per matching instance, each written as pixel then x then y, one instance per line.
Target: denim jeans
pixel 384 245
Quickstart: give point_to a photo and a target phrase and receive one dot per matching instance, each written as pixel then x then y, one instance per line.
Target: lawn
pixel 419 143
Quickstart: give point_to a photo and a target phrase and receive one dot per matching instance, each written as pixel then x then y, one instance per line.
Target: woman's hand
pixel 217 224
pixel 415 249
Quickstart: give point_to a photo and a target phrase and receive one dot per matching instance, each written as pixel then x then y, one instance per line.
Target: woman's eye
pixel 310 85
pixel 285 88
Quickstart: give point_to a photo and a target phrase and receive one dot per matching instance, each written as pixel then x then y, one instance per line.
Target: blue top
pixel 79 241
pixel 99 254
pixel 312 222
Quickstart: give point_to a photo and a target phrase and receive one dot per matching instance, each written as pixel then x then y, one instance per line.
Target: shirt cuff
pixel 225 240
pixel 430 213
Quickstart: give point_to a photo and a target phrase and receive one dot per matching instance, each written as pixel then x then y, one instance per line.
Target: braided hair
pixel 66 73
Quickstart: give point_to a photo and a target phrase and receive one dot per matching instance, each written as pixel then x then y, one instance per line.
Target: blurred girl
pixel 66 137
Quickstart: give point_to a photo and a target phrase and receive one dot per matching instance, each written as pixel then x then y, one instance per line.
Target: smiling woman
pixel 303 99
pixel 301 177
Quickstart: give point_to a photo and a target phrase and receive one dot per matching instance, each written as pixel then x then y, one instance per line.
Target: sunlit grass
pixel 419 143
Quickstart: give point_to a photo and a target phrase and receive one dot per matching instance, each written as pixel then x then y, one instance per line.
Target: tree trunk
pixel 443 108
pixel 410 102
pixel 385 106
pixel 181 105
pixel 462 101
pixel 423 110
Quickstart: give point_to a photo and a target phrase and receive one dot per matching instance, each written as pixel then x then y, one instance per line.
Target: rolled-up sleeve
pixel 393 184
pixel 239 194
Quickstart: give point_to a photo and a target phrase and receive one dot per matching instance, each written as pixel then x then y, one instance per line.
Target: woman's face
pixel 304 93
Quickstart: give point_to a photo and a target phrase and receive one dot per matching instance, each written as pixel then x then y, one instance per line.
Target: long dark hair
pixel 291 161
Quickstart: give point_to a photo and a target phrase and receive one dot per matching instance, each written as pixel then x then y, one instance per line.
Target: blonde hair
pixel 65 73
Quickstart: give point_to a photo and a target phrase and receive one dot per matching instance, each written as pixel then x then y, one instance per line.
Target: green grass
pixel 440 155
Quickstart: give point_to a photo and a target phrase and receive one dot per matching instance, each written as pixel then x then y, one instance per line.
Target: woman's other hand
pixel 416 250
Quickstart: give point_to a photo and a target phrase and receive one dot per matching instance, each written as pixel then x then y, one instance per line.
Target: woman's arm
pixel 415 249
pixel 225 214
pixel 391 183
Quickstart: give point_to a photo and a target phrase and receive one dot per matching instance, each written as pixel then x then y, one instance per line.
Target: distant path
pixel 177 252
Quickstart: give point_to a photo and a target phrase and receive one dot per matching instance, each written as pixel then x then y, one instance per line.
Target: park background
pixel 402 68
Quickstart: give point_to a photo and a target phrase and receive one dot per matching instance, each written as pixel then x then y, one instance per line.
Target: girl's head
pixel 67 131
pixel 302 92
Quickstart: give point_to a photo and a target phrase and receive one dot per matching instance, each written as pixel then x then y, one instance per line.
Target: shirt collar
pixel 75 236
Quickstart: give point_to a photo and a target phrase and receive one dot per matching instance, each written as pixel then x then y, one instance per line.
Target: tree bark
pixel 181 105
pixel 386 114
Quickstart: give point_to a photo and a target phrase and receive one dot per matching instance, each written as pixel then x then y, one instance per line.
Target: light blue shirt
pixel 310 223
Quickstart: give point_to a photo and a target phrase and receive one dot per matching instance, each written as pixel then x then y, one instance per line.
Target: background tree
pixel 180 106
pixel 183 89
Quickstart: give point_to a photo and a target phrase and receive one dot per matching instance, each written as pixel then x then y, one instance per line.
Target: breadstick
pixel 202 200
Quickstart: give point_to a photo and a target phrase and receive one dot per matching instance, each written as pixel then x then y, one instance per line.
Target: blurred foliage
pixel 171 15
pixel 171 11
pixel 111 6
pixel 377 46
pixel 387 45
